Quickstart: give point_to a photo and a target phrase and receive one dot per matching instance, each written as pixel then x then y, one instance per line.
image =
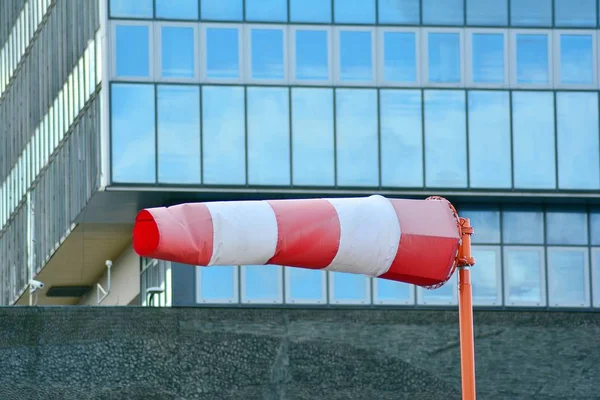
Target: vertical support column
pixel 467 345
pixel 30 244
pixel 465 310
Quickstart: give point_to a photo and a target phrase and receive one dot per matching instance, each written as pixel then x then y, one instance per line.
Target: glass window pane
pixel 442 295
pixel 487 12
pixel 268 136
pixel 399 57
pixel 532 58
pixel 567 227
pixel 223 135
pixel 399 12
pixel 356 58
pixel 533 140
pixel 318 11
pixel 179 9
pixel 133 51
pixel 217 284
pixel 357 153
pixel 484 276
pixel 576 59
pixel 261 283
pixel 445 128
pixel 312 137
pixel 312 55
pixel 177 52
pixel 443 12
pixel 401 138
pixel 178 134
pixel 132 132
pixel 354 11
pixel 595 227
pixel 266 10
pixel 567 278
pixel 267 54
pixel 444 57
pixel 523 275
pixel 349 288
pixel 131 8
pixel 391 292
pixel 531 13
pixel 486 221
pixel 580 13
pixel 222 53
pixel 222 10
pixel 578 155
pixel 524 226
pixel 488 58
pixel 489 139
pixel 305 286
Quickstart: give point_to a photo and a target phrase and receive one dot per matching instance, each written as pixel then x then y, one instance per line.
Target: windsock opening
pixel 145 234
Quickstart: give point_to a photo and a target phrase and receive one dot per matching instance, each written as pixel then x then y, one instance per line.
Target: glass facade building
pixel 491 103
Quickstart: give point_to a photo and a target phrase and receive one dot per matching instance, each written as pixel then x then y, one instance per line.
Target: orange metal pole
pixel 467 345
pixel 465 311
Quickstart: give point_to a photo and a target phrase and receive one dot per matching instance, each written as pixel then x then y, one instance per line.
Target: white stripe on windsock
pixel 244 232
pixel 370 235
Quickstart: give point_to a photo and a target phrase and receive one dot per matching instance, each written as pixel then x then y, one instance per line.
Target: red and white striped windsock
pixel 413 241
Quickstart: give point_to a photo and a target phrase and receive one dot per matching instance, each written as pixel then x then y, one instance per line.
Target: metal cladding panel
pixel 413 241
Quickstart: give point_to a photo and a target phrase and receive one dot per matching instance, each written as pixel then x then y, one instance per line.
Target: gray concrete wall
pixel 194 353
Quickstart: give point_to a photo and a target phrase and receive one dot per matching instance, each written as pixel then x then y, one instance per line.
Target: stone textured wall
pixel 194 353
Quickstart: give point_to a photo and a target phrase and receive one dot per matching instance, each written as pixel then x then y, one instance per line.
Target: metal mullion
pixel 590 255
pixel 201 126
pixel 378 149
pixel 467 139
pixel 556 160
pixel 545 241
pixel 423 141
pixel 156 158
pixel 335 148
pixel 291 139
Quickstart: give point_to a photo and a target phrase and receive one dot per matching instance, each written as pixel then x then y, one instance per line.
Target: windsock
pixel 412 241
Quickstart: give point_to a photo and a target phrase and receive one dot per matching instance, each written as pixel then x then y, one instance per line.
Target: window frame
pixel 425 57
pixel 293 29
pixel 330 292
pixel 236 288
pixel 499 268
pixel 595 280
pixel 337 81
pixel 376 301
pixel 453 301
pixel 557 58
pixel 469 57
pixel 287 281
pixel 277 300
pixel 157 56
pixel 113 51
pixel 380 56
pixel 586 273
pixel 513 58
pixel 543 265
pixel 203 56
pixel 247 43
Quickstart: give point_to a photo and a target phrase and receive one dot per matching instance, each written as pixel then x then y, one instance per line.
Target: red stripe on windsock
pixel 428 243
pixel 182 233
pixel 308 233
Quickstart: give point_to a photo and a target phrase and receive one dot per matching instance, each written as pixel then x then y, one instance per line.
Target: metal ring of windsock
pixel 412 241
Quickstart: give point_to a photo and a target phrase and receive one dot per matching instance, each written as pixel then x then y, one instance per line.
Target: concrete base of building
pixel 175 353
